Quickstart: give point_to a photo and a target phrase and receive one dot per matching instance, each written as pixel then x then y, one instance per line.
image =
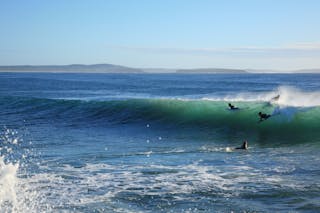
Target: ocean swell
pixel 172 114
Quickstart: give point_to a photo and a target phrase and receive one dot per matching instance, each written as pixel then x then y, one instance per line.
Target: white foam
pixel 109 181
pixel 17 194
pixel 8 170
pixel 229 149
pixel 8 181
pixel 101 182
pixel 289 96
pixel 216 149
pixel 59 187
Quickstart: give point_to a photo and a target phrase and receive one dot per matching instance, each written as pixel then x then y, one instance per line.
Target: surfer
pixel 276 98
pixel 244 146
pixel 263 116
pixel 232 107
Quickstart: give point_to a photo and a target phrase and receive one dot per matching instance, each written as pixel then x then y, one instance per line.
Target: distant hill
pixel 111 68
pixel 98 68
pixel 159 70
pixel 212 70
pixel 284 71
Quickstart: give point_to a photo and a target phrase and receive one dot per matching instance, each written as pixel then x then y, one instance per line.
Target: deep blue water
pixel 159 143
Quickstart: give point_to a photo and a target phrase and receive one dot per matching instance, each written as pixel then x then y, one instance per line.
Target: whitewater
pixel 159 142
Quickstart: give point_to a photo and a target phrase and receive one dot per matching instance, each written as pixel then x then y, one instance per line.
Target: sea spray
pixel 291 96
pixel 16 191
pixel 8 182
pixel 8 171
pixel 285 96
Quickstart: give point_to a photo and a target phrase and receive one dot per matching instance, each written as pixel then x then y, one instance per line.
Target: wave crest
pixel 288 96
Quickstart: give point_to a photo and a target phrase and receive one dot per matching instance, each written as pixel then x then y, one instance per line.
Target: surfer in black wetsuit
pixel 244 146
pixel 276 98
pixel 232 107
pixel 263 116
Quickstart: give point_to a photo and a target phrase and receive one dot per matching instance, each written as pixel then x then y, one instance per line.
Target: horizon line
pixel 150 68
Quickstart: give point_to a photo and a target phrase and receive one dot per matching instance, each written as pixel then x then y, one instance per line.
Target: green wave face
pixel 287 125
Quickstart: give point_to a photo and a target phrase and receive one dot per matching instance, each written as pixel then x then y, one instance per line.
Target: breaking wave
pixel 295 114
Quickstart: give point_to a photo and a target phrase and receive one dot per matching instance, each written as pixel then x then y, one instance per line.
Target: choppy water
pixel 158 143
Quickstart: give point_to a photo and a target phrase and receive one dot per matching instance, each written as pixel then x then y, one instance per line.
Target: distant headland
pixel 108 68
pixel 95 68
pixel 111 68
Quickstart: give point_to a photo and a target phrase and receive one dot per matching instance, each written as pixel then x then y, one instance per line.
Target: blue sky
pixel 260 34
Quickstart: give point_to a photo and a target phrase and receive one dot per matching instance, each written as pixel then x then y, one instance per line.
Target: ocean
pixel 77 142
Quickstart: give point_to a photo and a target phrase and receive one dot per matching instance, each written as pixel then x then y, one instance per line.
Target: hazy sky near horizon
pixel 256 34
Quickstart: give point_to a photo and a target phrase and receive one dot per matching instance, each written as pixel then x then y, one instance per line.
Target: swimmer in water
pixel 263 116
pixel 232 107
pixel 244 146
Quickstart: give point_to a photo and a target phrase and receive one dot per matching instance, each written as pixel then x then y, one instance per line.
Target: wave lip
pixel 288 96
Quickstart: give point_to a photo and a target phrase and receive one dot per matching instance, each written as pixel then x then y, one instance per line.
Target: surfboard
pixel 261 120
